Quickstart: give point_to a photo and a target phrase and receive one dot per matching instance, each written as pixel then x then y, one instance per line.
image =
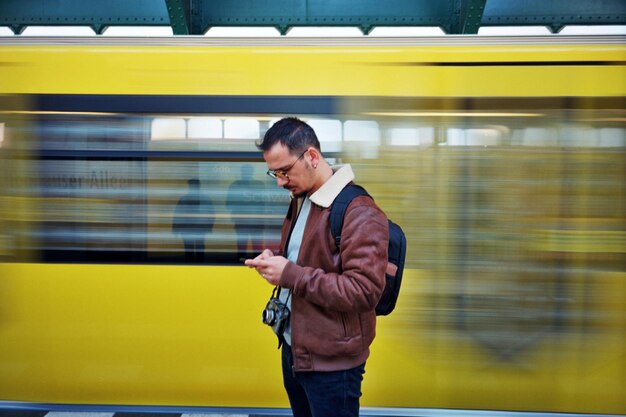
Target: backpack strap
pixel 339 207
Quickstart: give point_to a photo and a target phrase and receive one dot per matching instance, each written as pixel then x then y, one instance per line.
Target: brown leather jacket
pixel 334 293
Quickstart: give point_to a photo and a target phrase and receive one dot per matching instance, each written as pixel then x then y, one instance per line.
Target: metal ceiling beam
pixel 285 14
pixel 196 16
pixel 17 14
pixel 179 12
pixel 554 14
pixel 470 16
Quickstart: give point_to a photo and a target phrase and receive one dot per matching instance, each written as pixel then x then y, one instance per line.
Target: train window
pixel 361 131
pixel 241 128
pixel 204 128
pixel 612 137
pixel 102 197
pixel 168 129
pixel 456 137
pixel 474 137
pixel 328 132
pixel 362 138
pixel 535 136
pixel 423 136
pixel 577 136
pixel 404 137
pixel 580 136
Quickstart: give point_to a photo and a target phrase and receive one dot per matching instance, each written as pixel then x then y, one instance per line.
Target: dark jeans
pixel 322 394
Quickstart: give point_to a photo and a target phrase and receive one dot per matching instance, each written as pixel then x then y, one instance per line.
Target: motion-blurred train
pixel 130 187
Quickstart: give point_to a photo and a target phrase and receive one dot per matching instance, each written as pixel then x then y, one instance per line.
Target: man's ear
pixel 315 155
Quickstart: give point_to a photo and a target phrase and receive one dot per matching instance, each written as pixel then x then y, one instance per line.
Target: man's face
pixel 294 172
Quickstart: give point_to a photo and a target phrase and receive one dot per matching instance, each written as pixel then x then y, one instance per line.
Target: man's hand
pixel 269 266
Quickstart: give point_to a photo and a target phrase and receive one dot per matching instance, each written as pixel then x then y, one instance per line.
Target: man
pixel 331 293
pixel 193 219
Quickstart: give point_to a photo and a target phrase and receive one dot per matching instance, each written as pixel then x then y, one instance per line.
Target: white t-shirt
pixel 293 249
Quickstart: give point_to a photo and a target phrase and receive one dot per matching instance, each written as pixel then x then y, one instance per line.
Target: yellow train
pixel 503 159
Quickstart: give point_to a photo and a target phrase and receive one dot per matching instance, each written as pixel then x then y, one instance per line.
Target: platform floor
pixel 22 413
pixel 366 412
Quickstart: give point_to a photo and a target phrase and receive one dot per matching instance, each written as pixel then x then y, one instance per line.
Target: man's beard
pixel 294 194
pixel 298 195
pixel 302 192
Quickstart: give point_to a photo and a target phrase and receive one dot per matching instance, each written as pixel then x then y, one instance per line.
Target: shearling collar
pixel 327 193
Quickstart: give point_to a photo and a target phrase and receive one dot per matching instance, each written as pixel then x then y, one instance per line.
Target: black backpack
pixel 396 250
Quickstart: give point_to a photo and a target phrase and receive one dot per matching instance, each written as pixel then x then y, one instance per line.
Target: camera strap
pixel 276 293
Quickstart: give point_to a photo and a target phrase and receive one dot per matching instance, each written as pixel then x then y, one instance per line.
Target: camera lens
pixel 268 317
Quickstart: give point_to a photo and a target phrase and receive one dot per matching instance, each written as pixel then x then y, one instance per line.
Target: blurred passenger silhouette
pixel 193 219
pixel 246 203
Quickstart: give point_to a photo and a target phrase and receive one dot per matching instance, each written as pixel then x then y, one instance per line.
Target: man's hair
pixel 291 132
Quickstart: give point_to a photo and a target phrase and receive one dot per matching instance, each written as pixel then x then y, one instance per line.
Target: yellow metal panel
pixel 155 335
pixel 339 71
pixel 136 335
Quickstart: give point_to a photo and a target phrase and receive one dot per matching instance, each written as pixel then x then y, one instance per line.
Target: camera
pixel 276 315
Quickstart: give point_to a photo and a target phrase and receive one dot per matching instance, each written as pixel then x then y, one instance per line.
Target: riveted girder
pixel 196 16
pixel 554 14
pixel 17 14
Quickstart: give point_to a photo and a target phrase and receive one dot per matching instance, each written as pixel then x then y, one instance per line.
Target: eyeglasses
pixel 282 172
